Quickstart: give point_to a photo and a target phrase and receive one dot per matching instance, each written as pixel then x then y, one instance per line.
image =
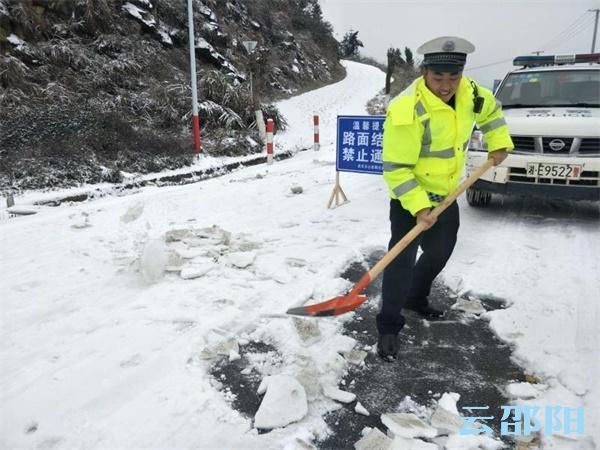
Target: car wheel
pixel 477 198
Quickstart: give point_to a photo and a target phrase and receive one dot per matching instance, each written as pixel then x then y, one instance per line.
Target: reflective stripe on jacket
pixel 425 140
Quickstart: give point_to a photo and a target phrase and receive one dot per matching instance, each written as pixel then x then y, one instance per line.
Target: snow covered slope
pixel 103 338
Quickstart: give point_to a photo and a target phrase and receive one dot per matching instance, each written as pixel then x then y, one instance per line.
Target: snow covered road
pixel 100 349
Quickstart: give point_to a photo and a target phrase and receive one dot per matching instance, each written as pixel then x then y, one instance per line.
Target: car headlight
pixel 477 142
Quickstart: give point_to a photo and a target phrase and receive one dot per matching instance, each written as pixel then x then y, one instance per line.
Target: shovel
pixel 346 303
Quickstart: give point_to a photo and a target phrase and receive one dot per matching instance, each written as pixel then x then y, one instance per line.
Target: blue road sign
pixel 360 144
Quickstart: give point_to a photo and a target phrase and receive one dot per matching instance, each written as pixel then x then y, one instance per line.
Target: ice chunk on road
pixel 241 260
pixel 336 394
pixel 195 270
pixel 524 390
pixel 400 443
pixel 448 402
pixel 233 355
pixel 360 409
pixel 475 442
pixel 407 425
pixel 469 306
pixel 374 440
pixel 153 260
pixel 355 357
pixel 446 422
pixel 341 343
pixel 284 402
pixel 309 378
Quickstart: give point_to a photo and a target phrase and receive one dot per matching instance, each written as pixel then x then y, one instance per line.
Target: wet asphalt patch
pixel 458 353
pixel 239 384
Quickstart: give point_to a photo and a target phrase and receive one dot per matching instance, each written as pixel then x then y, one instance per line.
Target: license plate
pixel 564 171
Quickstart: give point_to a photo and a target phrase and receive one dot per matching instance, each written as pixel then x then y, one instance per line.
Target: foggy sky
pixel 500 30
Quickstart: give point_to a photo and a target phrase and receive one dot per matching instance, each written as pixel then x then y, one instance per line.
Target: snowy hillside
pixel 94 90
pixel 114 310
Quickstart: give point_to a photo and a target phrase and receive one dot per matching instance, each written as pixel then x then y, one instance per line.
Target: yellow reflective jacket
pixel 425 141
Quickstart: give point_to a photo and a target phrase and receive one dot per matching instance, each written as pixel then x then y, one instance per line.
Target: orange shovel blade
pixel 334 307
pixel 337 305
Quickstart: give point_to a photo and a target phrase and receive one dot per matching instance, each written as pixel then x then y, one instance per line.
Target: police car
pixel 552 107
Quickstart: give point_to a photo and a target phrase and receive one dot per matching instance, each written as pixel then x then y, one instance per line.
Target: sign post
pixel 192 43
pixel 250 46
pixel 359 149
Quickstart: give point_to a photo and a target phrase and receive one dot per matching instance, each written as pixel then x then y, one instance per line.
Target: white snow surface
pixel 94 356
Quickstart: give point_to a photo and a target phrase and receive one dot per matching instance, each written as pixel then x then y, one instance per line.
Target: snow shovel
pixel 346 303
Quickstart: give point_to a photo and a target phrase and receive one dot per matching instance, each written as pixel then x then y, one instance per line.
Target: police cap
pixel 446 53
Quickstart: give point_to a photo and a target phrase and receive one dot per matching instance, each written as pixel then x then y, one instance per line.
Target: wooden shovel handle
pixel 417 229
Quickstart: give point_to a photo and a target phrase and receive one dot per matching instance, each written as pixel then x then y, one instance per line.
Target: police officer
pixel 426 134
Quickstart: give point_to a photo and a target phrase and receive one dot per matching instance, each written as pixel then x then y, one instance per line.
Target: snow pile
pixel 192 252
pixel 409 431
pixel 421 430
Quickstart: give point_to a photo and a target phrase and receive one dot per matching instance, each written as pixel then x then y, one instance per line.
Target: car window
pixel 551 88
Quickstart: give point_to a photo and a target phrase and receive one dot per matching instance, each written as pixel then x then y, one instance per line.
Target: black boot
pixel 428 312
pixel 387 346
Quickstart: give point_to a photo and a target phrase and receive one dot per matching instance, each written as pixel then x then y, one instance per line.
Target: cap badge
pixel 449 46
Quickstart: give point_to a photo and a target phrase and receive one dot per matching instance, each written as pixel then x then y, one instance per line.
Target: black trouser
pixel 404 282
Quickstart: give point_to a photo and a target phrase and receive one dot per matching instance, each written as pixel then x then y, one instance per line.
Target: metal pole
pixel 595 29
pixel 251 92
pixel 192 42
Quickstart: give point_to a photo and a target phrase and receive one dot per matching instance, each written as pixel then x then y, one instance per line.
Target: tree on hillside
pixel 317 12
pixel 409 57
pixel 394 59
pixel 350 44
pixel 311 18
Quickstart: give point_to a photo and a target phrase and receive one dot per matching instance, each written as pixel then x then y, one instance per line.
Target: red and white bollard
pixel 270 126
pixel 196 130
pixel 316 134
